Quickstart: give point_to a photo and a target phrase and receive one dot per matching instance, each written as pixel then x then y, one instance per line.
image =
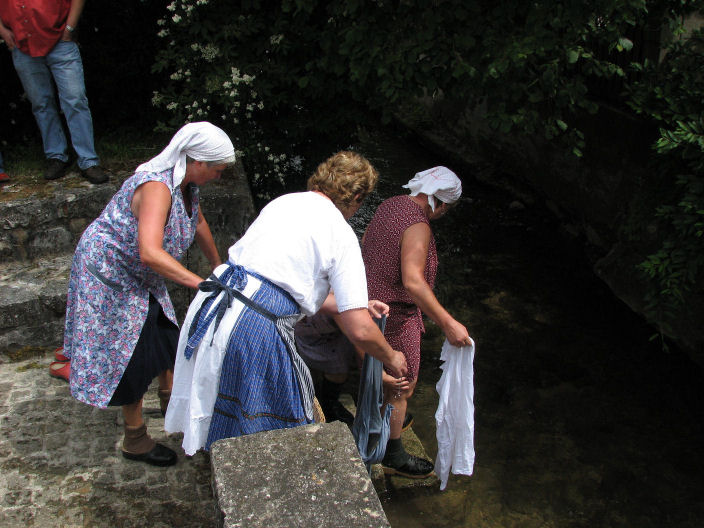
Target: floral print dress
pixel 109 287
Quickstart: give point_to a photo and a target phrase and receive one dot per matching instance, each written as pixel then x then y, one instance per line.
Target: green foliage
pixel 671 93
pixel 279 74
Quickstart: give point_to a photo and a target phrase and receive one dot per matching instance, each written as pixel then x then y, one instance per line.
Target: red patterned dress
pixel 381 251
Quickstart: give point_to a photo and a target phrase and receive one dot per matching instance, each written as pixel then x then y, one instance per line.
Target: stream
pixel 581 420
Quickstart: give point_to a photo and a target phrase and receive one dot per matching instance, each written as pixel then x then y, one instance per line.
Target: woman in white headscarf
pixel 121 329
pixel 401 260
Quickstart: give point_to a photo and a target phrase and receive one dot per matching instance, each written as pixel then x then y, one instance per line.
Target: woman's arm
pixel 359 328
pixel 150 205
pixel 414 253
pixel 204 239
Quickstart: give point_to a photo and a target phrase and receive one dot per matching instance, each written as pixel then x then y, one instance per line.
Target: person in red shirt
pixel 40 36
pixel 401 260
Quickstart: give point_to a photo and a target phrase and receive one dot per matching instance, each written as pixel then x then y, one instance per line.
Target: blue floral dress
pixel 109 287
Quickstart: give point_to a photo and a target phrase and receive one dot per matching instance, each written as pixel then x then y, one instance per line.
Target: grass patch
pixel 119 150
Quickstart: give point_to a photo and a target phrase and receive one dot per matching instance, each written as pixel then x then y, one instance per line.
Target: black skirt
pixel 154 353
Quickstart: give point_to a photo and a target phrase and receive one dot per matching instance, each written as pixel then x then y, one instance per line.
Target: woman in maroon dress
pixel 401 262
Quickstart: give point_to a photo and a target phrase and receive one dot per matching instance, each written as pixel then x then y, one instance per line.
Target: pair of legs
pixel 403 332
pixel 64 67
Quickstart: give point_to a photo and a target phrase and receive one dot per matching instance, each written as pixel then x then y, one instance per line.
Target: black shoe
pixel 159 456
pixel 334 410
pixel 414 467
pixel 55 168
pixel 95 174
pixel 407 422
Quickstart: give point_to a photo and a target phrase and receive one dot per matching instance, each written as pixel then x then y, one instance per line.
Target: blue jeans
pixel 64 64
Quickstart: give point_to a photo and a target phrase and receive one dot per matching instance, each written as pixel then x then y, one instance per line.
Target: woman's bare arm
pixel 414 253
pixel 151 204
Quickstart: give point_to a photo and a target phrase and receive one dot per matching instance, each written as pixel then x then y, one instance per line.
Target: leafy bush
pixel 672 93
pixel 278 76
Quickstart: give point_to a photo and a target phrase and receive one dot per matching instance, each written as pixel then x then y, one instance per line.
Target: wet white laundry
pixel 454 418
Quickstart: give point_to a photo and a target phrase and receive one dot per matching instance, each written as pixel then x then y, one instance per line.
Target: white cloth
pixel 302 243
pixel 454 418
pixel 191 405
pixel 438 182
pixel 201 141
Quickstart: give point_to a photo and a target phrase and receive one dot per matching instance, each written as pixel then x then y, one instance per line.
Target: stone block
pixel 305 476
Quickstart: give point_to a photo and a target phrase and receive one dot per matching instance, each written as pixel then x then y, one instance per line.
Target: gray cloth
pixel 371 429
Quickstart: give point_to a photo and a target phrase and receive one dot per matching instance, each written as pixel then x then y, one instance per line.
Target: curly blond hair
pixel 343 176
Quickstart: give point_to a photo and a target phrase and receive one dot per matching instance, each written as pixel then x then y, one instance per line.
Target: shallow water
pixel 581 421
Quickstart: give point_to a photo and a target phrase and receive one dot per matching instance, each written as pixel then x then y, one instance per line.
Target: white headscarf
pixel 439 182
pixel 201 141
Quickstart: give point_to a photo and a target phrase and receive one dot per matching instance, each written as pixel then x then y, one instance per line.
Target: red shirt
pixel 37 24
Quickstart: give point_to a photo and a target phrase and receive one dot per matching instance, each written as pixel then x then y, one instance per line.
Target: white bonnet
pixel 439 182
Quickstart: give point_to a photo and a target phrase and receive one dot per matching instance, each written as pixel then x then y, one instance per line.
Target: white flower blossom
pixel 176 19
pixel 209 52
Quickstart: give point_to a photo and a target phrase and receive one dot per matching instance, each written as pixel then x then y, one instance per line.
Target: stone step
pixel 32 306
pixel 39 231
pixel 37 223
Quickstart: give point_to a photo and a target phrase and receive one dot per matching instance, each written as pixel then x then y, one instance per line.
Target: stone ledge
pixel 301 477
pixel 38 235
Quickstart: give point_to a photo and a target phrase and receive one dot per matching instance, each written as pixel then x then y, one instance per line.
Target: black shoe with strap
pixel 414 467
pixel 160 455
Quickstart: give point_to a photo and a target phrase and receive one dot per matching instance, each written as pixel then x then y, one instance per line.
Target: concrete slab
pixel 288 478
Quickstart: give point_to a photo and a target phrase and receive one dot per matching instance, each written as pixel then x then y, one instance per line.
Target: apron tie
pixel 215 286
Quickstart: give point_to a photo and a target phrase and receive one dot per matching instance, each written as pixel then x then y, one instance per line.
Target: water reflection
pixel 580 420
